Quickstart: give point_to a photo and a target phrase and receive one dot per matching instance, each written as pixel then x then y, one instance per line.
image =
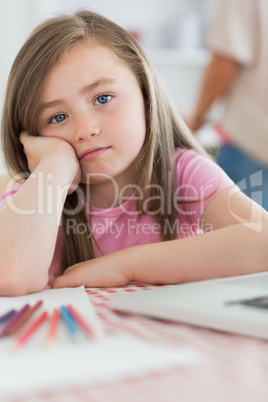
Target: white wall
pixel 17 19
pixel 154 19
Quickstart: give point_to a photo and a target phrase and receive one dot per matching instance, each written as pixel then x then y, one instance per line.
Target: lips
pixel 92 153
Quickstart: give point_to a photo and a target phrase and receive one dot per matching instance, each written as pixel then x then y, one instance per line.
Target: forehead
pixel 91 49
pixel 91 57
pixel 86 63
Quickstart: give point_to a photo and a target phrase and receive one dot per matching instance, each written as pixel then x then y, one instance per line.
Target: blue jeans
pixel 251 177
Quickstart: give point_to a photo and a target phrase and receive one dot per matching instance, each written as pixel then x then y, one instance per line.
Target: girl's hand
pixel 36 148
pixel 103 271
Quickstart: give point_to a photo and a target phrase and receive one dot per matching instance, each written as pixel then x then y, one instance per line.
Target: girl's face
pixel 94 102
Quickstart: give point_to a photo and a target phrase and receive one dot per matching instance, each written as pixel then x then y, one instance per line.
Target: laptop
pixel 238 304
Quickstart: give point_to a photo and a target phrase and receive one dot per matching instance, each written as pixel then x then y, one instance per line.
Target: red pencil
pixel 22 320
pixel 80 321
pixel 53 325
pixel 31 330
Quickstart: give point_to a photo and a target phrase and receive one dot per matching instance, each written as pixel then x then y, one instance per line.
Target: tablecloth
pixel 234 368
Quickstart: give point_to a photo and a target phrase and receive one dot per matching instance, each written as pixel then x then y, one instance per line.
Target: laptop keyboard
pixel 259 302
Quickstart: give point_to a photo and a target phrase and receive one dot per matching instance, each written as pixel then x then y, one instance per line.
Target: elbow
pixel 264 242
pixel 9 287
pixel 13 283
pixel 258 245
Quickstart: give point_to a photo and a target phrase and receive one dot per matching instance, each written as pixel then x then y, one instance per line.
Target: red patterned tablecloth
pixel 234 368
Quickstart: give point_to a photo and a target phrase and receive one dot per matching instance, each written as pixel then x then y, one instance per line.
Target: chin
pixel 97 178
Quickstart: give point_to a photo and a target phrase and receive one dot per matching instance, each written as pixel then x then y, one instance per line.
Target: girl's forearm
pixel 29 226
pixel 233 250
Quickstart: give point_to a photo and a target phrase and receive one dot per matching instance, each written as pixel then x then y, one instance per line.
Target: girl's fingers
pixel 73 279
pixel 23 137
pixel 70 269
pixel 93 273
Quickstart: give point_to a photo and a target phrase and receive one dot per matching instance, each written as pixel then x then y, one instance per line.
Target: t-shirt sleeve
pixel 199 180
pixel 232 30
pixel 8 194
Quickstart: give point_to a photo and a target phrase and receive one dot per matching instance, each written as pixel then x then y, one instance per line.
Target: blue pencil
pixel 69 321
pixel 7 315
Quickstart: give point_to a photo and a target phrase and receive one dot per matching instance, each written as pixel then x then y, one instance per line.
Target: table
pixel 234 368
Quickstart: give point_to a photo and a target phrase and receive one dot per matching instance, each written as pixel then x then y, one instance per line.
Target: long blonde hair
pixel 165 130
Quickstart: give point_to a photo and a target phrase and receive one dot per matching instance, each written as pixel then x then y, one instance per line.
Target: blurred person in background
pixel 238 70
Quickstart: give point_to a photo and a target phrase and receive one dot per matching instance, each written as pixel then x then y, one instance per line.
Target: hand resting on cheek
pixel 37 148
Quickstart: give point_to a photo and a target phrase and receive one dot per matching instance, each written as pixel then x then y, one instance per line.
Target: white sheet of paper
pixel 35 368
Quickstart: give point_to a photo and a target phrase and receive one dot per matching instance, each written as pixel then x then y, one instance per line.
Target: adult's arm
pixel 217 79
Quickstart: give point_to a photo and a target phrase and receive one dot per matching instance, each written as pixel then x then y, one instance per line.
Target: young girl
pixel 116 190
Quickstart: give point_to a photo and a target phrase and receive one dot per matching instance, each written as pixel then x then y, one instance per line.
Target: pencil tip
pixel 75 337
pixel 15 347
pixel 50 343
pixel 95 337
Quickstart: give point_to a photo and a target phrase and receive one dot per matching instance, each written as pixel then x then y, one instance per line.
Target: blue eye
pixel 58 118
pixel 102 99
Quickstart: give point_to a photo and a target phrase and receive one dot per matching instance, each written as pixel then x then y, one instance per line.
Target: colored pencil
pixel 81 321
pixel 69 321
pixel 31 330
pixel 24 318
pixel 6 316
pixel 53 325
pixel 13 319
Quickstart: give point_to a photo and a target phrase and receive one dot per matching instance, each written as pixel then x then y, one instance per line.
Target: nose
pixel 85 128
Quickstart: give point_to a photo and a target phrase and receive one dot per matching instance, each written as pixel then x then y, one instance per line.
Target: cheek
pixel 130 137
pixel 54 132
pixel 128 126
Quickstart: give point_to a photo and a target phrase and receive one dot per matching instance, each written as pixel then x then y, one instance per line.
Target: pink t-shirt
pixel 198 180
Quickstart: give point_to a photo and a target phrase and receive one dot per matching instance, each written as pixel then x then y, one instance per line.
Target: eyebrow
pixel 101 81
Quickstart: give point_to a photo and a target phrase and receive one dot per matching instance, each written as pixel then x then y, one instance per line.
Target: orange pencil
pixel 31 330
pixel 22 320
pixel 80 321
pixel 53 325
